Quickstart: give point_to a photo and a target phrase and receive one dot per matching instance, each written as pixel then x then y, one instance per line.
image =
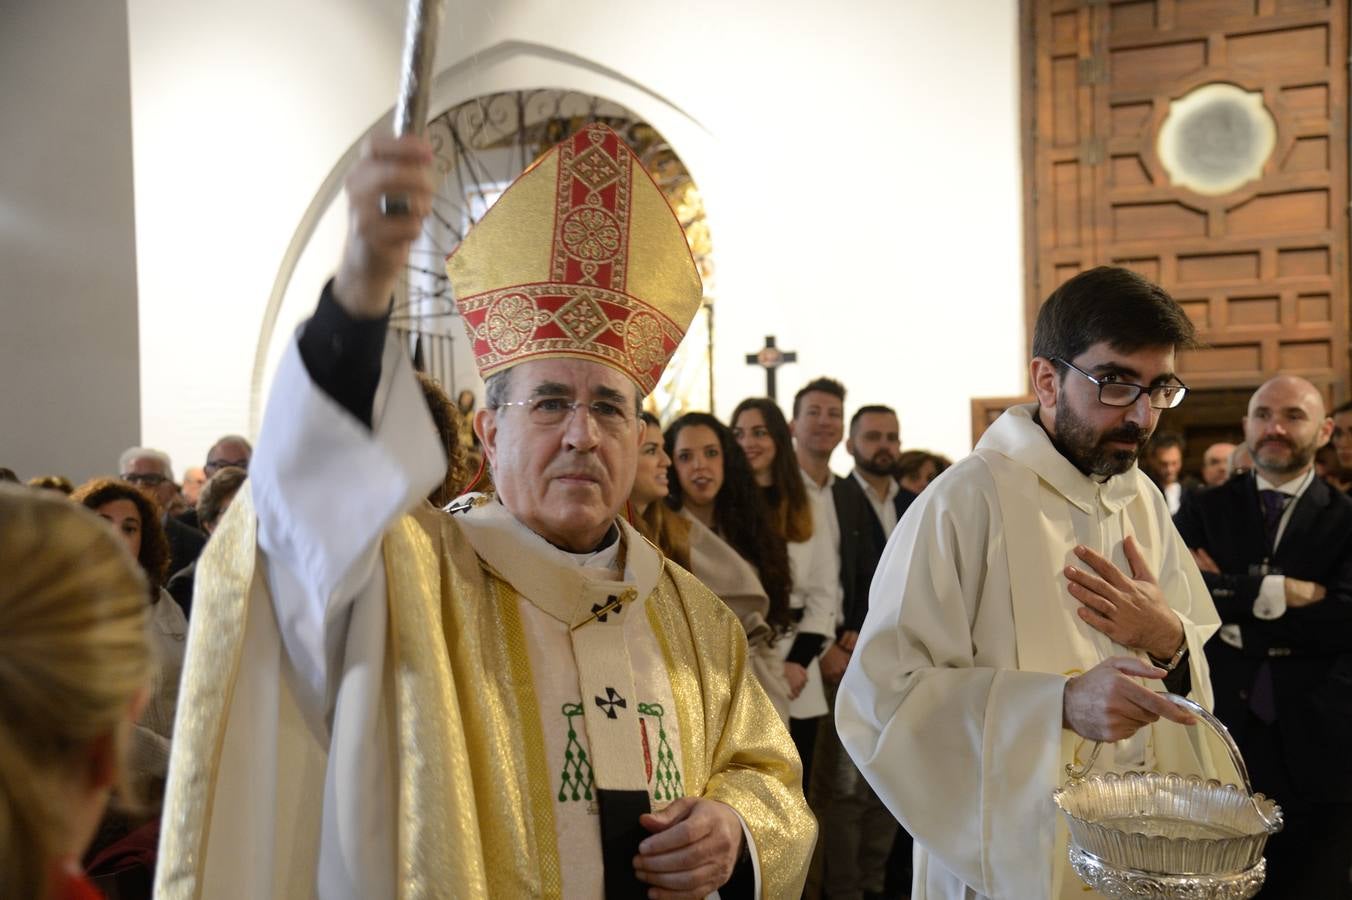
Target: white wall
pixel 850 156
pixel 69 393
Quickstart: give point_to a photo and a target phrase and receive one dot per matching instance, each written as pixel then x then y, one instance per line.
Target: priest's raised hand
pixel 1130 610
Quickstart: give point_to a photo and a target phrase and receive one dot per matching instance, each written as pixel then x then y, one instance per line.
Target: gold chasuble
pixel 498 775
pixel 587 685
pixel 381 699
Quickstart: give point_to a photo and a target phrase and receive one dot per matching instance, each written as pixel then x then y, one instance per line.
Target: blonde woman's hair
pixel 73 655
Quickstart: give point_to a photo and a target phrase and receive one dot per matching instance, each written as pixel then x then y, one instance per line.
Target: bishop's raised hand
pixel 389 193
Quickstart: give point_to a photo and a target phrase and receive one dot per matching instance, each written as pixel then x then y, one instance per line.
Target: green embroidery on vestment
pixel 666 777
pixel 577 770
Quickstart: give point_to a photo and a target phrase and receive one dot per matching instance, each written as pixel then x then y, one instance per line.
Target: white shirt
pixel 1173 495
pixel 885 508
pixel 814 565
pixel 825 575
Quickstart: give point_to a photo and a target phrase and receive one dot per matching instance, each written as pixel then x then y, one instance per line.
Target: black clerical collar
pixel 611 536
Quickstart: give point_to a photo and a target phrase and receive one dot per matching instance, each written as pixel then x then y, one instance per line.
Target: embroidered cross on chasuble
pixel 579 624
pixel 605 697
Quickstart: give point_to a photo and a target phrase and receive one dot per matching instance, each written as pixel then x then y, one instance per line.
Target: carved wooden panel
pixel 1261 267
pixel 985 410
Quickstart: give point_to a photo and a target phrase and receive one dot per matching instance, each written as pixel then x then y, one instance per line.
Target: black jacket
pixel 185 543
pixel 1309 648
pixel 861 544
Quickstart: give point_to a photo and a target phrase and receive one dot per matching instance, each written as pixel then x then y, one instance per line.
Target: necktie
pixel 1262 694
pixel 1274 504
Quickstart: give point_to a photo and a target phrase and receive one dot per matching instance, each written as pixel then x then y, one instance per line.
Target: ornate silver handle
pixel 420 46
pixel 1078 773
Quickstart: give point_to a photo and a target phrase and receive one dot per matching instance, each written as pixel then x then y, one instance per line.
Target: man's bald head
pixel 1286 424
pixel 1289 389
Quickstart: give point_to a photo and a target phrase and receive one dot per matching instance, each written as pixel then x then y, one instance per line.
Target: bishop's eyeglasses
pixel 551 412
pixel 1124 393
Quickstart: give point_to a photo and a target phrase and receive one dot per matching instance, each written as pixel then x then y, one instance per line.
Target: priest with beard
pixel 1031 602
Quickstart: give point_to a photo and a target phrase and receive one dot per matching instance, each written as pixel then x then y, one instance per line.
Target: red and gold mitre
pixel 581 257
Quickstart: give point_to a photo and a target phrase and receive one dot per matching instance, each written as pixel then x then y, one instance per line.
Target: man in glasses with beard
pixel 1275 547
pixel 1030 602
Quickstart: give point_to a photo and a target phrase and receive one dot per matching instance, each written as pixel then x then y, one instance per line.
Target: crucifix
pixel 770 358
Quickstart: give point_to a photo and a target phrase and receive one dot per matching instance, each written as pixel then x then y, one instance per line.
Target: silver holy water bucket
pixel 1143 835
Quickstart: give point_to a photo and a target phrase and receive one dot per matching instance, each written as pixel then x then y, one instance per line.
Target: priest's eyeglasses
pixel 551 412
pixel 1124 393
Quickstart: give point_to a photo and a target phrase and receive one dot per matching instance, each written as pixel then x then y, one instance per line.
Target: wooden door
pixel 1261 266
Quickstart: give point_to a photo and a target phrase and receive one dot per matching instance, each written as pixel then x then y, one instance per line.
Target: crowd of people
pixel 1222 460
pixel 164 524
pixel 625 660
pixel 1267 522
pixel 791 548
pixel 734 504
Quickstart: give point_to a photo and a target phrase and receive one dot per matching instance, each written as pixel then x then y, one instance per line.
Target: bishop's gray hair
pixel 496 388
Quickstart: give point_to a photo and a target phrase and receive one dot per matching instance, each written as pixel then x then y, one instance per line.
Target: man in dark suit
pixel 1275 547
pixel 874 440
pixel 857 830
pixel 1164 465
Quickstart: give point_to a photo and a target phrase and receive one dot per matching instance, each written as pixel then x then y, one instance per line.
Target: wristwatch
pixel 1173 660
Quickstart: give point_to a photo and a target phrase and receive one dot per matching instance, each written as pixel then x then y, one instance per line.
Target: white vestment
pixel 952 703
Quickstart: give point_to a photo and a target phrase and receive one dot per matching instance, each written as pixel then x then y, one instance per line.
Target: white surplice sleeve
pixel 326 488
pixel 960 746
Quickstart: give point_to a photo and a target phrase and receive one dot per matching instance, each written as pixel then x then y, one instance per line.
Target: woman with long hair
pixel 74 669
pixel 734 548
pixel 759 428
pixel 656 521
pixel 137 520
